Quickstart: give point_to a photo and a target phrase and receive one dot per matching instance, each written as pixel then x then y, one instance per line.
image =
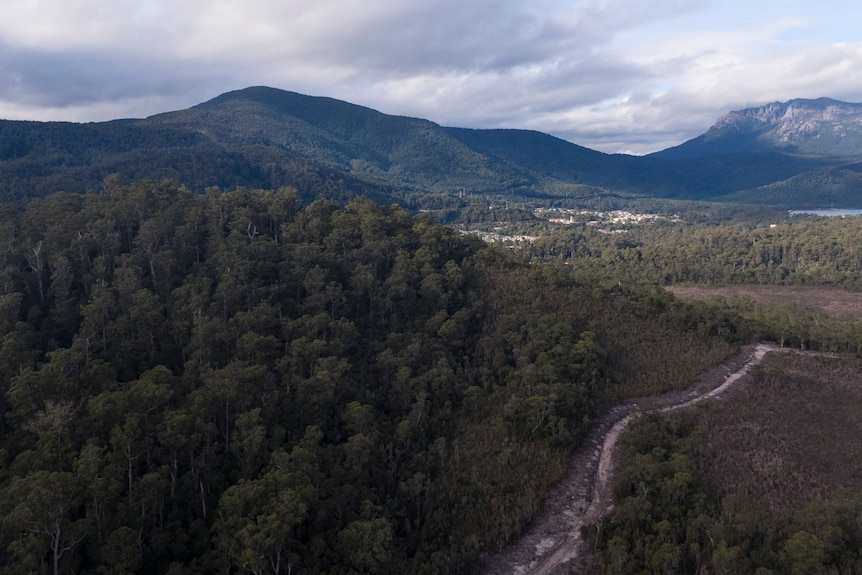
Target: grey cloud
pixel 478 36
pixel 550 65
pixel 73 78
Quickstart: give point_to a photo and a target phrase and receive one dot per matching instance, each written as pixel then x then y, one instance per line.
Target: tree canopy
pixel 237 382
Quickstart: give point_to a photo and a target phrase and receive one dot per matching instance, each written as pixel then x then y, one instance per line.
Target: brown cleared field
pixel 790 432
pixel 832 301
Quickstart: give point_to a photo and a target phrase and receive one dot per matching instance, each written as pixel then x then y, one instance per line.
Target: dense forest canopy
pixel 239 382
pixel 798 250
pixel 300 379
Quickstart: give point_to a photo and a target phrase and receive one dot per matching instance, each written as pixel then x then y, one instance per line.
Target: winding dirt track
pixel 553 544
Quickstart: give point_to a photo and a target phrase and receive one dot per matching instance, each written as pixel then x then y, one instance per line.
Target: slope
pixel 821 127
pixel 406 152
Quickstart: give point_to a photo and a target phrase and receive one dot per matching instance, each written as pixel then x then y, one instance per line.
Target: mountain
pixel 821 127
pixel 811 150
pixel 262 137
pixel 258 137
pixel 409 153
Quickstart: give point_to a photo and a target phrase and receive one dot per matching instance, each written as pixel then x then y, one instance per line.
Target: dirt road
pixel 553 544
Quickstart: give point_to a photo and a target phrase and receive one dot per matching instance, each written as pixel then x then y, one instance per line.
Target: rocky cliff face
pixel 821 126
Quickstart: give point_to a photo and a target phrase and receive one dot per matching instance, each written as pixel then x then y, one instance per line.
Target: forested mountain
pixel 231 382
pixel 267 138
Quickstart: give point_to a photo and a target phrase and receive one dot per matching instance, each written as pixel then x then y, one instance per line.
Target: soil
pixel 552 543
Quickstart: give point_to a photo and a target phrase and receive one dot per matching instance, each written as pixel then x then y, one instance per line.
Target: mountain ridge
pixel 263 137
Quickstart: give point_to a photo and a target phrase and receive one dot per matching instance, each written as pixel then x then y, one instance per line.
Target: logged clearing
pixel 835 302
pixel 787 434
pixel 553 542
pixel 792 434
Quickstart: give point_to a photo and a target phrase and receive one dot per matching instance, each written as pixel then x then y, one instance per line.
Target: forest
pixel 765 480
pixel 798 250
pixel 235 382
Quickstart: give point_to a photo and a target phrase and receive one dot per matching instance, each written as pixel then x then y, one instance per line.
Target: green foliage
pixel 801 252
pixel 798 251
pixel 235 382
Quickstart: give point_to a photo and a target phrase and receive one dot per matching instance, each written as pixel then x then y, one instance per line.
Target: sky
pixel 627 76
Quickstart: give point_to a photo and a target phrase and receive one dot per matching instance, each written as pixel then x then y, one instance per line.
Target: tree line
pixel 801 250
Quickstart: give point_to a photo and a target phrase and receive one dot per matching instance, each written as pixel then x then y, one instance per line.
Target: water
pixel 830 213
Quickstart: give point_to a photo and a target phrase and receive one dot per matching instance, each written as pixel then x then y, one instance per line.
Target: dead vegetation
pixel 834 302
pixel 791 434
pixel 765 479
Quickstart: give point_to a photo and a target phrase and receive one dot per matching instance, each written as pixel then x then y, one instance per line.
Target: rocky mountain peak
pixel 798 122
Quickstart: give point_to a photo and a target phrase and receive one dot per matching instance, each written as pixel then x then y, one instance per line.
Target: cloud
pixel 84 86
pixel 617 75
pixel 61 53
pixel 690 79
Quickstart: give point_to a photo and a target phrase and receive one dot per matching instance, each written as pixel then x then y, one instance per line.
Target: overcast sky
pixel 615 75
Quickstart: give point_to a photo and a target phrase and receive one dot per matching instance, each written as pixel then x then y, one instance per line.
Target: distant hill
pixel 267 138
pixel 408 153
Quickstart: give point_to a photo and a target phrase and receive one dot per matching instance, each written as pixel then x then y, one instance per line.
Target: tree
pixel 257 519
pixel 367 542
pixel 42 511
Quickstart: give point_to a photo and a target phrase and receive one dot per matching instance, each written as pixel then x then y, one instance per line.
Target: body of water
pixel 831 213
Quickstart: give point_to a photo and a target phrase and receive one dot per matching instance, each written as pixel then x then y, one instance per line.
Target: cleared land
pixel 553 542
pixel 832 301
pixel 787 433
pixel 792 434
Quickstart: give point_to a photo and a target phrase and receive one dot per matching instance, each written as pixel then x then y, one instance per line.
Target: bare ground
pixel 552 544
pixel 835 302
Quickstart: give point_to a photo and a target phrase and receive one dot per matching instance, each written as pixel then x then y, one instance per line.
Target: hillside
pixel 407 152
pixel 228 382
pixel 257 137
pixel 800 154
pixel 810 148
